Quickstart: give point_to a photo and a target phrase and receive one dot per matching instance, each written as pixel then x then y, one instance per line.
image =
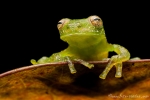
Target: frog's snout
pixel 75 25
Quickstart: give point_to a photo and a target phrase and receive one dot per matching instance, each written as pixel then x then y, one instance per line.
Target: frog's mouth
pixel 84 39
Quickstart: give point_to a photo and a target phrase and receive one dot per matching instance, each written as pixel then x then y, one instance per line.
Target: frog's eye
pixel 61 23
pixel 96 21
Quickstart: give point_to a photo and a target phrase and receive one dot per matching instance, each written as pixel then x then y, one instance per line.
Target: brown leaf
pixel 53 81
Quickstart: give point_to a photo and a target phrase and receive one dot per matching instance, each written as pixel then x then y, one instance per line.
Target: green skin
pixel 87 42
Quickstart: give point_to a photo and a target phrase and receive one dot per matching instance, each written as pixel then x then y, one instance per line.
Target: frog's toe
pixel 106 59
pixel 118 70
pixel 108 68
pixel 90 66
pixel 70 64
pixel 135 58
pixel 118 74
pixel 33 61
pixel 84 63
pixel 72 68
pixel 103 75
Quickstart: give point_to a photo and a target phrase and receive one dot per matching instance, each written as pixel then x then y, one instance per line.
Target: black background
pixel 30 28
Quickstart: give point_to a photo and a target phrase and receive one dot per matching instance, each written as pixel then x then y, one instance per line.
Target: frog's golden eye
pixel 96 21
pixel 62 22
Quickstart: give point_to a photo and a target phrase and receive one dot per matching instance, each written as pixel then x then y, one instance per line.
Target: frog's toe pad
pixel 33 61
pixel 102 76
pixel 90 66
pixel 73 72
pixel 118 75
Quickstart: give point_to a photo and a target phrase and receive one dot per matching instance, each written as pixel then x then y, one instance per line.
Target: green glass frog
pixel 87 42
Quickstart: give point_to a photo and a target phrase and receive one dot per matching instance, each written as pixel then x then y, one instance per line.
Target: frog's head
pixel 85 32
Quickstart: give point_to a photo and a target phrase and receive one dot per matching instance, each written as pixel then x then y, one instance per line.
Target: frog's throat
pixel 84 40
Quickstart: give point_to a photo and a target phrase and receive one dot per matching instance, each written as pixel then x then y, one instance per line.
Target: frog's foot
pixel 113 61
pixel 40 61
pixel 71 65
pixel 135 58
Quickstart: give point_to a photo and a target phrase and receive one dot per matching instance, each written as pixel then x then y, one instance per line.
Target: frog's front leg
pixel 123 55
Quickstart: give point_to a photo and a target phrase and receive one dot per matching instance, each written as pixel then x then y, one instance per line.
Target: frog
pixel 87 42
